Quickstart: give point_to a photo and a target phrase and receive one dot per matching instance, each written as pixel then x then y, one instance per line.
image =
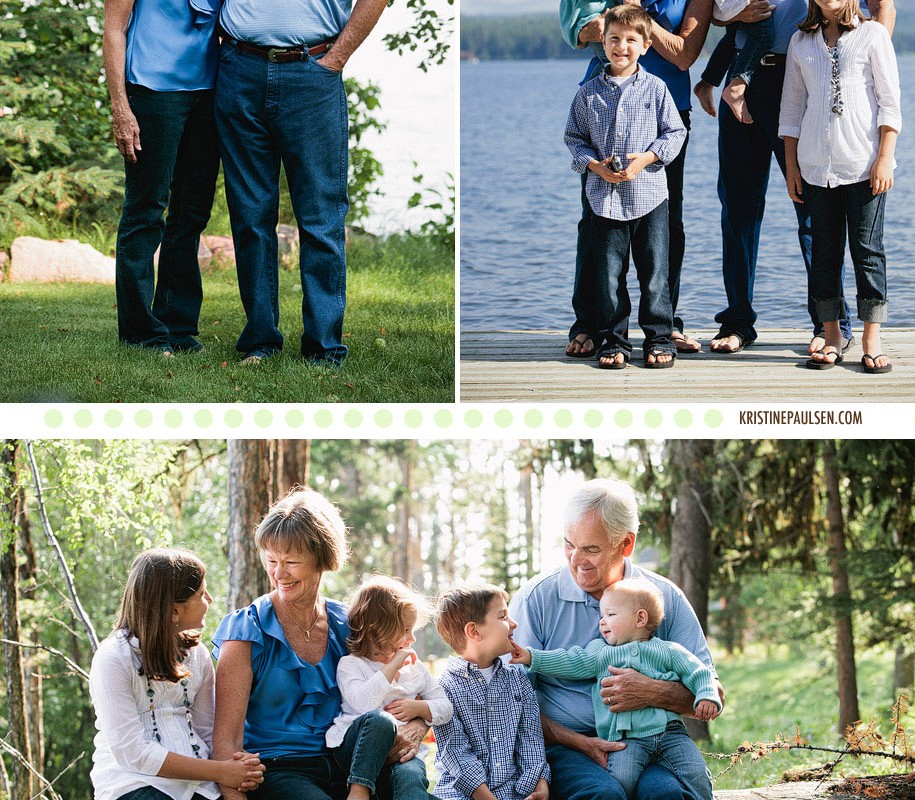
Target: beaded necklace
pixel 187 714
pixel 838 106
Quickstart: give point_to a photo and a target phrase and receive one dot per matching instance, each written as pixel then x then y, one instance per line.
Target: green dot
pixel 113 418
pixel 563 418
pixel 623 418
pixel 143 418
pixel 593 418
pixel 653 418
pixel 473 418
pixel 443 418
pixel 294 418
pixel 234 418
pixel 203 418
pixel 353 418
pixel 683 418
pixel 413 418
pixel 383 418
pixel 53 418
pixel 173 418
pixel 324 419
pixel 503 418
pixel 83 418
pixel 533 418
pixel 263 418
pixel 714 418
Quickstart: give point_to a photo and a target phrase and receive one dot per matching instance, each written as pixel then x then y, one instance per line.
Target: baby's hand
pixel 520 655
pixel 706 710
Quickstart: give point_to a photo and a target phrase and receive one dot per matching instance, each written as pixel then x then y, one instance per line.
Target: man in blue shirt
pixel 744 156
pixel 562 610
pixel 280 99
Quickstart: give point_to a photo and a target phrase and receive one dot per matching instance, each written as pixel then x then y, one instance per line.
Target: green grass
pixel 773 691
pixel 58 342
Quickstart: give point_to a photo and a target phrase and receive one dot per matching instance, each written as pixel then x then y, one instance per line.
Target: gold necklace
pixel 306 632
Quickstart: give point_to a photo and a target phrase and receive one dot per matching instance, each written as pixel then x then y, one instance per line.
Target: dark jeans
pixel 611 242
pixel 744 156
pixel 176 169
pixel 833 212
pixel 295 113
pixel 147 792
pixel 365 747
pixel 314 778
pixel 584 294
pixel 759 36
pixel 722 56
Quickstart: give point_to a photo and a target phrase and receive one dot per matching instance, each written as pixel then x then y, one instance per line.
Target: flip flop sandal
pixel 655 351
pixel 741 342
pixel 686 345
pixel 609 352
pixel 583 353
pixel 873 369
pixel 846 343
pixel 813 363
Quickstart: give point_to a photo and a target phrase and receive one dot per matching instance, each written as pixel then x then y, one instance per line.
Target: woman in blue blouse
pixel 276 686
pixel 677 35
pixel 160 63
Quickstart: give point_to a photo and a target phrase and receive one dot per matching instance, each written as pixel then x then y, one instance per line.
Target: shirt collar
pixel 463 667
pixel 605 75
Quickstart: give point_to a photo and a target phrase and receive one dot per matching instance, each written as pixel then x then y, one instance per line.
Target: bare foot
pixel 612 361
pixel 684 343
pixel 706 94
pixel 581 346
pixel 734 95
pixel 726 344
pixel 658 357
pixel 818 342
pixel 873 348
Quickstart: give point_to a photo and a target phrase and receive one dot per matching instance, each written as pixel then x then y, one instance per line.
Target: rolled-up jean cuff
pixel 831 310
pixel 872 310
pixel 370 785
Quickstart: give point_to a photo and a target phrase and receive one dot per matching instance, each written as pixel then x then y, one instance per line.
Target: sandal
pixel 813 363
pixel 742 342
pixel 581 352
pixel 684 343
pixel 846 343
pixel 660 351
pixel 609 352
pixel 873 369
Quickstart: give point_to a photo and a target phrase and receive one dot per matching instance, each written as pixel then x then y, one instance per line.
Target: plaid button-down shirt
pixel 606 120
pixel 494 736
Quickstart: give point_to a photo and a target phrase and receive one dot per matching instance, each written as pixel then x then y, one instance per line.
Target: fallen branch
pixel 25 763
pixel 70 663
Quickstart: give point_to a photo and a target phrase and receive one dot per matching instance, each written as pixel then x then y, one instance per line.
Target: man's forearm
pixel 365 16
pixel 554 733
pixel 884 11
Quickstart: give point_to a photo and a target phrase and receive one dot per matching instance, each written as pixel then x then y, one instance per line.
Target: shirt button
pixel 495 738
pixel 634 651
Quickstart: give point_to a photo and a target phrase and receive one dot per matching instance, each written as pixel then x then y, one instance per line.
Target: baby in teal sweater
pixel 630 612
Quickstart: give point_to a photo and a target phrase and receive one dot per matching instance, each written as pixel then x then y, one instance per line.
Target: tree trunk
pixel 14 679
pixel 690 536
pixel 904 672
pixel 841 596
pixel 402 561
pixel 28 581
pixel 527 523
pixel 253 486
pixel 295 458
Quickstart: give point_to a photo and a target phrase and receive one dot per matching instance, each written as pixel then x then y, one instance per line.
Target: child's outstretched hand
pixel 705 709
pixel 520 655
pixel 541 791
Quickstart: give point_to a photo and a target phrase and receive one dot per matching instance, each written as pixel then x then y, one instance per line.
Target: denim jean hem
pixel 872 310
pixel 831 309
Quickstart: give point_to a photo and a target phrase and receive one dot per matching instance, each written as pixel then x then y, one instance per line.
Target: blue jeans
pixel 176 169
pixel 365 747
pixel 577 777
pixel 833 212
pixel 147 792
pixel 294 113
pixel 313 778
pixel 744 156
pixel 647 239
pixel 758 43
pixel 584 298
pixel 674 750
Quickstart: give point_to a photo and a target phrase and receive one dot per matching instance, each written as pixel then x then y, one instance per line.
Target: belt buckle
pixel 272 53
pixel 768 60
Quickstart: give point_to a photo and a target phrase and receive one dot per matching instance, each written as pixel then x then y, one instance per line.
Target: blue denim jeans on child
pixel 176 169
pixel 294 113
pixel 672 749
pixel 855 210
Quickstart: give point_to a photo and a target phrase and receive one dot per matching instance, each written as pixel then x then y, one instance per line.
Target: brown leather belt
pixel 279 55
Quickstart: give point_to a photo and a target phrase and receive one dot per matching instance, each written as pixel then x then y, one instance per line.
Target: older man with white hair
pixel 561 610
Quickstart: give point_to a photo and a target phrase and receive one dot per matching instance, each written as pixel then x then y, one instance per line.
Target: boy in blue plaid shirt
pixel 623 128
pixel 492 749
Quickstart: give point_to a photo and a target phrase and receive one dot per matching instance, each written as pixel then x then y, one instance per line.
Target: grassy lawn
pixel 58 342
pixel 772 691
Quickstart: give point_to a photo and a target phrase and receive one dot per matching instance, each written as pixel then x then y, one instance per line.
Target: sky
pixel 504 7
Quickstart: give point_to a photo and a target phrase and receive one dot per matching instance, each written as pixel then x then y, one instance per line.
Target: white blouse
pixel 127 755
pixel 838 149
pixel 364 687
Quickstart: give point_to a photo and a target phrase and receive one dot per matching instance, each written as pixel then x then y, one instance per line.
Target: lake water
pixel 520 206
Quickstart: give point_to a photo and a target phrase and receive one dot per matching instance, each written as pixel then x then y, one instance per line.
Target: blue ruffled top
pixel 292 702
pixel 172 45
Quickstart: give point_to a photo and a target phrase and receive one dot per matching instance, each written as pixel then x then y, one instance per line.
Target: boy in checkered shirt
pixel 623 128
pixel 492 749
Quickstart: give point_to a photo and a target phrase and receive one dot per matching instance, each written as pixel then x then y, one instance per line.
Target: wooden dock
pixel 531 366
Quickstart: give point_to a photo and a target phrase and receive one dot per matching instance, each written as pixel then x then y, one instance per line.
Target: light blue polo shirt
pixel 284 23
pixel 553 612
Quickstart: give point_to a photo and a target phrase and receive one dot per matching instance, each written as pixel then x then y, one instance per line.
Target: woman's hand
pixel 794 183
pixel 126 133
pixel 243 769
pixel 881 178
pixel 252 760
pixel 592 31
pixel 406 743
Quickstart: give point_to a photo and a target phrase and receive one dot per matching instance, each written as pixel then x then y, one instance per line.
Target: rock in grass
pixel 40 261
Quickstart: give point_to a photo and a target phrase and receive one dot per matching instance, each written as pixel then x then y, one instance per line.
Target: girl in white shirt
pixel 383 684
pixel 840 116
pixel 152 685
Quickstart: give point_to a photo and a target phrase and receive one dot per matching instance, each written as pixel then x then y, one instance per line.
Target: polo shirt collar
pixel 571 592
pixel 463 667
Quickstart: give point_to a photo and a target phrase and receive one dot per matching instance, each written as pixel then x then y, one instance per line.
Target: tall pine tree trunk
pixel 402 557
pixel 690 538
pixel 14 678
pixel 841 595
pixel 34 691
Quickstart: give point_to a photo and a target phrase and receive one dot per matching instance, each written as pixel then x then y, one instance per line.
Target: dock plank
pixel 530 366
